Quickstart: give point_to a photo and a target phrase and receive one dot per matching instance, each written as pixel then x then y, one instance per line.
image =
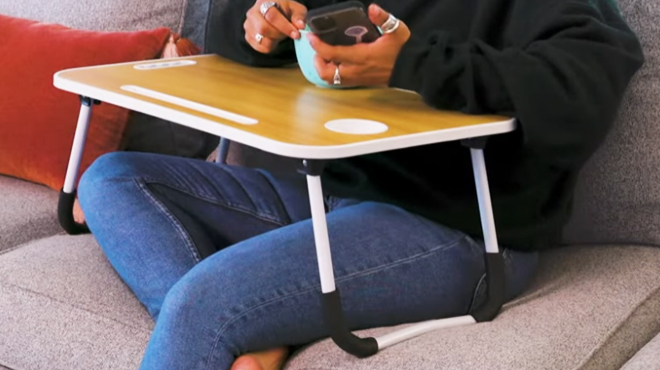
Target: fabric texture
pixel 84 317
pixel 646 359
pixel 143 133
pixel 27 212
pixel 99 15
pixel 196 25
pixel 617 199
pixel 590 308
pixel 62 307
pixel 39 120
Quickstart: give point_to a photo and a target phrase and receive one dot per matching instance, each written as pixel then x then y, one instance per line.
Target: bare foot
pixel 267 360
pixel 78 214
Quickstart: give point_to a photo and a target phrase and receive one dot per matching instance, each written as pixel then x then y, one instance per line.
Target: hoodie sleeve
pixel 562 80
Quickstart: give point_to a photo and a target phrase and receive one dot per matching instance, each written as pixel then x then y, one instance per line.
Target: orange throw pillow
pixel 38 121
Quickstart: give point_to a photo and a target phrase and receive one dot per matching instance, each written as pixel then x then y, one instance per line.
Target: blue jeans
pixel 156 216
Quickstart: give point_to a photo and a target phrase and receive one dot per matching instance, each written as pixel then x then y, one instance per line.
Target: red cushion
pixel 38 121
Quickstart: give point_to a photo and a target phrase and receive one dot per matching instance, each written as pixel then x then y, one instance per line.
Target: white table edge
pixel 277 147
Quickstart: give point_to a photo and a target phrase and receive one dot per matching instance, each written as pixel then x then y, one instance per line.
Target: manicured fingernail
pixel 295 35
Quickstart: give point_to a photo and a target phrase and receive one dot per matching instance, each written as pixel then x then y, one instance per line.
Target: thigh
pixel 157 216
pixel 391 267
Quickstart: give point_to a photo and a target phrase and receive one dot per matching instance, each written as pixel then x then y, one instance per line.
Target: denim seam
pixel 248 193
pixel 183 233
pixel 222 203
pixel 361 273
pixel 283 208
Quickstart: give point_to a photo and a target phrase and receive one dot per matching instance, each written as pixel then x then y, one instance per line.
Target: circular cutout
pixel 355 126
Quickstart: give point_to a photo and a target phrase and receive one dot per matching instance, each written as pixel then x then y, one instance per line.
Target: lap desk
pixel 278 111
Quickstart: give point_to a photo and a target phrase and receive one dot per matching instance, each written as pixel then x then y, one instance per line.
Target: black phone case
pixel 346 23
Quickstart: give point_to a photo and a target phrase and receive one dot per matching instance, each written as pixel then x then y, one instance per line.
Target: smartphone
pixel 346 23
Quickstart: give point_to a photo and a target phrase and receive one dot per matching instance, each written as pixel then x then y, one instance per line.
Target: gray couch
pixel 595 304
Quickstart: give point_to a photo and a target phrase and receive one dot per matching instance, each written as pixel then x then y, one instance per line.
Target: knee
pixel 193 299
pixel 108 171
pixel 210 289
pixel 109 167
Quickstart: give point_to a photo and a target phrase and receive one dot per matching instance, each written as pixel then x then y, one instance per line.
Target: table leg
pixel 333 314
pixel 493 258
pixel 331 301
pixel 68 192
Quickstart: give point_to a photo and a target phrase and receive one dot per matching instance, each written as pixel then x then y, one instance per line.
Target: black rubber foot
pixel 65 214
pixel 496 289
pixel 336 326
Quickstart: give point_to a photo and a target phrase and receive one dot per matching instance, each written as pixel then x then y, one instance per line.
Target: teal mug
pixel 305 54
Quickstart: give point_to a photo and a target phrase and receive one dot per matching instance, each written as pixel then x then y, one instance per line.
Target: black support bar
pixel 335 324
pixel 65 214
pixel 312 167
pixel 495 276
pixel 88 101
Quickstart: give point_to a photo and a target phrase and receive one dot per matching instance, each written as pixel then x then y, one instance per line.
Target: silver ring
pixel 337 79
pixel 390 25
pixel 259 37
pixel 265 7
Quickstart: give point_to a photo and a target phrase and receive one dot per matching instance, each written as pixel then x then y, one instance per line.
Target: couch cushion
pixel 588 308
pixel 100 15
pixel 618 197
pixel 63 307
pixel 27 212
pixel 646 359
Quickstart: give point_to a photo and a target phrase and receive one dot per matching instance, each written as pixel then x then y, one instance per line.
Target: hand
pixel 362 64
pixel 274 26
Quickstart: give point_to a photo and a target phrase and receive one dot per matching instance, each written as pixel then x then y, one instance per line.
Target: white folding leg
pixel 485 205
pixel 321 238
pixel 78 147
pixel 68 192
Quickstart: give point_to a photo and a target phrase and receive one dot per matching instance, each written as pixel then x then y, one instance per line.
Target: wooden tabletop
pixel 274 109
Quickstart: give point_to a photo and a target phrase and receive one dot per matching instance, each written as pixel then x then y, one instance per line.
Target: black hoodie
pixel 559 66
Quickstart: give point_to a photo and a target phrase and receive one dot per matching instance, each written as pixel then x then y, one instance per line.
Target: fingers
pixel 274 25
pixel 269 41
pixel 377 15
pixel 280 22
pixel 326 71
pixel 338 54
pixel 297 12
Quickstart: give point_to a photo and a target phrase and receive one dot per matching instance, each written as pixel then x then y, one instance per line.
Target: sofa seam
pixel 32 241
pixel 33 292
pixel 654 293
pixel 6 366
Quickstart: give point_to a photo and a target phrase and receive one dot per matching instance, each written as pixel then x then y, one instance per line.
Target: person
pixel 223 256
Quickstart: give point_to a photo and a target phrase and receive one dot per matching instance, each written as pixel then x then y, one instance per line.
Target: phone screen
pixel 342 24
